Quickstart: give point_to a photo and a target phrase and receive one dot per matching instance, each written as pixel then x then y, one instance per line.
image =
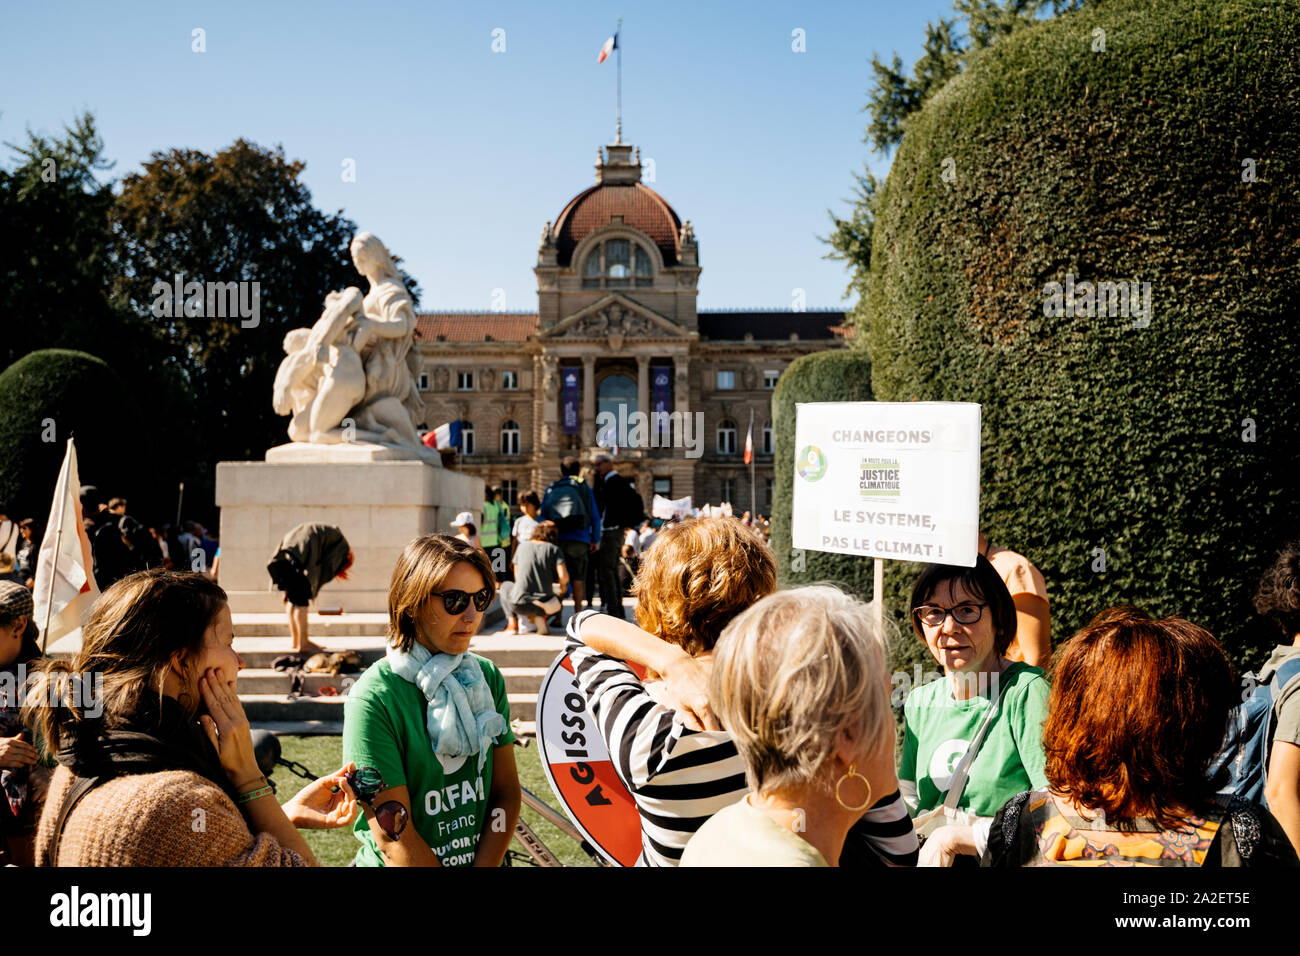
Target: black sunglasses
pixel 456 601
pixel 391 816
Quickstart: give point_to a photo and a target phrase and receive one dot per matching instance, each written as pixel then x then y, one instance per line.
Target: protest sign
pixel 579 770
pixel 667 508
pixel 888 480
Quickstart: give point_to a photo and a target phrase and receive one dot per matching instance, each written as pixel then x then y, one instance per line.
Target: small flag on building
pixel 65 583
pixel 749 440
pixel 444 437
pixel 610 46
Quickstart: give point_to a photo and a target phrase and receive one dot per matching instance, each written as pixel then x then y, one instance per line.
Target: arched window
pixel 466 438
pixel 767 438
pixel 510 438
pixel 616 264
pixel 726 437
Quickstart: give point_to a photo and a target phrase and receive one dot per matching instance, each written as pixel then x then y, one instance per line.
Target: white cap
pixel 464 518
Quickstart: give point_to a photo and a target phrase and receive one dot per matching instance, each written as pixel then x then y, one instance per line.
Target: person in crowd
pixel 1033 641
pixel 308 557
pixel 496 529
pixel 570 504
pixel 21 775
pixel 621 509
pixel 432 720
pixel 9 536
pixel 210 545
pixel 1278 598
pixel 158 739
pixel 28 550
pixel 628 565
pixel 115 552
pixel 1137 712
pixel 649 531
pixel 529 506
pixel 466 531
pixel 680 766
pixel 117 506
pixel 800 683
pixel 175 555
pixel 973 739
pixel 190 541
pixel 539 570
pixel 8 572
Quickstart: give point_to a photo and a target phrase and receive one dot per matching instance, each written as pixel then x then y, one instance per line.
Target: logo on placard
pixel 811 464
pixel 879 478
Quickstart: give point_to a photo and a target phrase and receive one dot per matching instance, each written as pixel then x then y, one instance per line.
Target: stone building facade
pixel 617 332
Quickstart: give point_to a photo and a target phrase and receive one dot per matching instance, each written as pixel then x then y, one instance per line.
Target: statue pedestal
pixel 379 505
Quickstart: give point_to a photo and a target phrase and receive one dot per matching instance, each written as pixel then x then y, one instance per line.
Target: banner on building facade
pixel 888 480
pixel 661 387
pixel 569 401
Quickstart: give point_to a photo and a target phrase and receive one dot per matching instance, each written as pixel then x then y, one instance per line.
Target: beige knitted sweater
pixel 172 818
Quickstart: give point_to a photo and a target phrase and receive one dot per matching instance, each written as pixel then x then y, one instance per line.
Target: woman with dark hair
pixel 973 739
pixel 430 723
pixel 1137 713
pixel 538 571
pixel 20 773
pixel 1278 599
pixel 141 781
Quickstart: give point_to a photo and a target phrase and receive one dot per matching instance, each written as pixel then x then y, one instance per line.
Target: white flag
pixel 65 583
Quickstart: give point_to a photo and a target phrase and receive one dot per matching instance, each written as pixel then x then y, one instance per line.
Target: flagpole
pixel 54 562
pixel 618 48
pixel 753 507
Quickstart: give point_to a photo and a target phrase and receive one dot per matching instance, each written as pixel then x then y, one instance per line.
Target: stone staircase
pixel 264 692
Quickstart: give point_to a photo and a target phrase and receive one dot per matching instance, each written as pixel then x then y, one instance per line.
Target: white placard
pixel 888 480
pixel 665 508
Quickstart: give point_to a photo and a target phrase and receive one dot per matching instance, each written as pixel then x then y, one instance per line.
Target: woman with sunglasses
pixel 974 739
pixel 428 727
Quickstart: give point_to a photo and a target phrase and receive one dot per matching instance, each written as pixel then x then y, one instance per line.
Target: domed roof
pixel 640 206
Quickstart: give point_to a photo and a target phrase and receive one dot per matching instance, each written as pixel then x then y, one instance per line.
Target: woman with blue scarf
pixel 428 727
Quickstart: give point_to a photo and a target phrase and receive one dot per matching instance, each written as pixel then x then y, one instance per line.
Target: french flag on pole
pixel 444 437
pixel 610 46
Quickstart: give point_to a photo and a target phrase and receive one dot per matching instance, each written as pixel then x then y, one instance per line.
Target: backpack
pixel 566 504
pixel 1249 737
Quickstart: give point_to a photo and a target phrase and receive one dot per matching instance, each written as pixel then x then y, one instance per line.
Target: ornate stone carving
pixel 748 377
pixel 550 375
pixel 612 321
pixel 440 379
pixel 353 375
pixel 548 237
pixel 687 235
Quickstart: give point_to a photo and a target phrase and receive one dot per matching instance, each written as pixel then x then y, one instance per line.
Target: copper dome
pixel 640 206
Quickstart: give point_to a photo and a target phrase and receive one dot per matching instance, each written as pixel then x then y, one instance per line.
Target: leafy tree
pixel 241 215
pixel 894 97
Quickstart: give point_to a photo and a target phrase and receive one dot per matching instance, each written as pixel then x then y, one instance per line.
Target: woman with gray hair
pixel 799 682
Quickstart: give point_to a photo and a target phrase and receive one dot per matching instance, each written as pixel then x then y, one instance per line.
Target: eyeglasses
pixel 391 816
pixel 455 602
pixel 932 615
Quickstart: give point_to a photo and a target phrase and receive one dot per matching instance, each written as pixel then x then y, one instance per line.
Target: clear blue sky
pixel 462 153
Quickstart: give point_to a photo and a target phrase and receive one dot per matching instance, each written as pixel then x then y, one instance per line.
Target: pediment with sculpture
pixel 616 320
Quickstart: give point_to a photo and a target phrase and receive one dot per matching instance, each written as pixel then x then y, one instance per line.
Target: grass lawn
pixel 321 755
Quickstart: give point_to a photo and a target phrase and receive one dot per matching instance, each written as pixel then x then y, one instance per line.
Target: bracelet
pixel 254 795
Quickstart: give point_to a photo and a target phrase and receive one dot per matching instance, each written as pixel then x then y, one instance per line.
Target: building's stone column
pixel 643 384
pixel 588 400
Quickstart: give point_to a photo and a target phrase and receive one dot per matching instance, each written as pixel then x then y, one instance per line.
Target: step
pixel 504 650
pixel 260 652
pixel 318 625
pixel 264 708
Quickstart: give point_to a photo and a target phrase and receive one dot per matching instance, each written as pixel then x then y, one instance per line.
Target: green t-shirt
pixel 384 727
pixel 939 729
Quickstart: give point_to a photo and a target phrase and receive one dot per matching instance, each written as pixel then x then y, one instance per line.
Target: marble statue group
pixel 352 377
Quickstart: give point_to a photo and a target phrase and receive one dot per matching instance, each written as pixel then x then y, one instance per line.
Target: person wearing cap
pixel 308 557
pixel 465 530
pixel 18 756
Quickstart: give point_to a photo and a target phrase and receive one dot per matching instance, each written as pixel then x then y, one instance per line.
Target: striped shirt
pixel 680 777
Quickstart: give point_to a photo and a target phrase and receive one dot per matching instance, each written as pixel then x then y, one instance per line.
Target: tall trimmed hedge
pixel 1172 451
pixel 47 396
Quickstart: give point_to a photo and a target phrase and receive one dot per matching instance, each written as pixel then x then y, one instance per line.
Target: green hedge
pixel 49 395
pixel 1122 165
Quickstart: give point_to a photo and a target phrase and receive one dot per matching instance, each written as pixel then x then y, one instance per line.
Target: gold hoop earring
pixel 853 768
